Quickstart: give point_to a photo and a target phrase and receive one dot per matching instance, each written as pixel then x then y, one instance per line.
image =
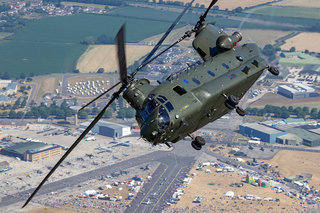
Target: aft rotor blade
pixel 121 54
pixel 102 94
pixel 155 48
pixel 99 116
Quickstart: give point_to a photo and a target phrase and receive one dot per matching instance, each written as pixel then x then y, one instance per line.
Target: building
pixel 4 166
pixel 308 138
pixel 10 89
pixel 4 83
pixel 296 91
pixel 108 129
pixel 4 99
pixel 265 133
pixel 32 151
pixel 289 139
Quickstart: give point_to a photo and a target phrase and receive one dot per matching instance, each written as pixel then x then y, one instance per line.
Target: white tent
pixel 229 194
pixel 90 192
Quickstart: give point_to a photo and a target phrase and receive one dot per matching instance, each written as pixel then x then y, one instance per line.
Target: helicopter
pixel 191 98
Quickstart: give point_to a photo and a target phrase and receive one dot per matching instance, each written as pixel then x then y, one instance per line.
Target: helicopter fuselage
pixel 189 100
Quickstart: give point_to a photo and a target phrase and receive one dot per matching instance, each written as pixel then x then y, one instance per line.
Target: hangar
pixel 265 133
pixel 32 151
pixel 108 129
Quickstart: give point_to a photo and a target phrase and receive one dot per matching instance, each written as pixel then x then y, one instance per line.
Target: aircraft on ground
pixel 148 202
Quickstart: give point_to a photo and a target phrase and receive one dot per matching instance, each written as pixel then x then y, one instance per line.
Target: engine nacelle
pixel 211 40
pixel 137 92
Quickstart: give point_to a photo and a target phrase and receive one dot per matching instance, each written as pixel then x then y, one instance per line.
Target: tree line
pixel 285 112
pixel 61 112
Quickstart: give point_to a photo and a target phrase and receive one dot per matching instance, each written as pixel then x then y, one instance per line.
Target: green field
pixel 51 45
pixel 298 59
pixel 300 12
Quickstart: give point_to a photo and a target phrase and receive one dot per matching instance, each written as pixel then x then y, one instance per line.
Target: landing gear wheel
pixel 200 141
pixel 228 105
pixel 195 145
pixel 240 111
pixel 233 100
pixel 273 71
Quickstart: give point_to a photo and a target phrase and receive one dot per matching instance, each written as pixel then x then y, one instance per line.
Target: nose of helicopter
pixel 149 129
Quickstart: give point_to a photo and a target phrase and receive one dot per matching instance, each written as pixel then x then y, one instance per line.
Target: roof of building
pixel 4 98
pixel 22 148
pixel 5 81
pixel 12 86
pixel 262 128
pixel 297 88
pixel 294 120
pixel 4 163
pixel 105 123
pixel 290 136
pixel 317 131
pixel 304 134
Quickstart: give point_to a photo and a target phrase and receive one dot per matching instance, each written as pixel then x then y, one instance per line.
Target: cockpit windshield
pixel 148 109
pixel 151 106
pixel 164 118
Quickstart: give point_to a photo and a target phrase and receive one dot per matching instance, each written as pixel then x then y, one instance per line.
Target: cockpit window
pixel 144 115
pixel 164 118
pixel 162 99
pixel 151 106
pixel 169 106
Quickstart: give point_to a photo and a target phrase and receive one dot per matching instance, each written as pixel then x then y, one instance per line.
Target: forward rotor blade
pixel 102 94
pixel 211 5
pixel 165 36
pixel 115 95
pixel 203 17
pixel 121 54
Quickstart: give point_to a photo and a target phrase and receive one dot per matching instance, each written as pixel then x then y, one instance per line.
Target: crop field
pixel 299 42
pixel 298 59
pixel 104 56
pixel 165 16
pixel 230 4
pixel 100 6
pixel 51 45
pixel 279 100
pixel 299 3
pixel 313 13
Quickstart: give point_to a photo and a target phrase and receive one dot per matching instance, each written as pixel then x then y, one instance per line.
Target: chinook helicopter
pixel 192 98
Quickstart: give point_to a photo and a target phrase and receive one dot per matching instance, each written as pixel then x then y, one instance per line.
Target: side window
pixel 211 73
pixel 225 66
pixel 161 99
pixel 196 81
pixel 179 90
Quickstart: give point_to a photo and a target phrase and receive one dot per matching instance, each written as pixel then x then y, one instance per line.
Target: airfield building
pixel 4 165
pixel 32 151
pixel 308 138
pixel 296 91
pixel 108 129
pixel 289 139
pixel 265 133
